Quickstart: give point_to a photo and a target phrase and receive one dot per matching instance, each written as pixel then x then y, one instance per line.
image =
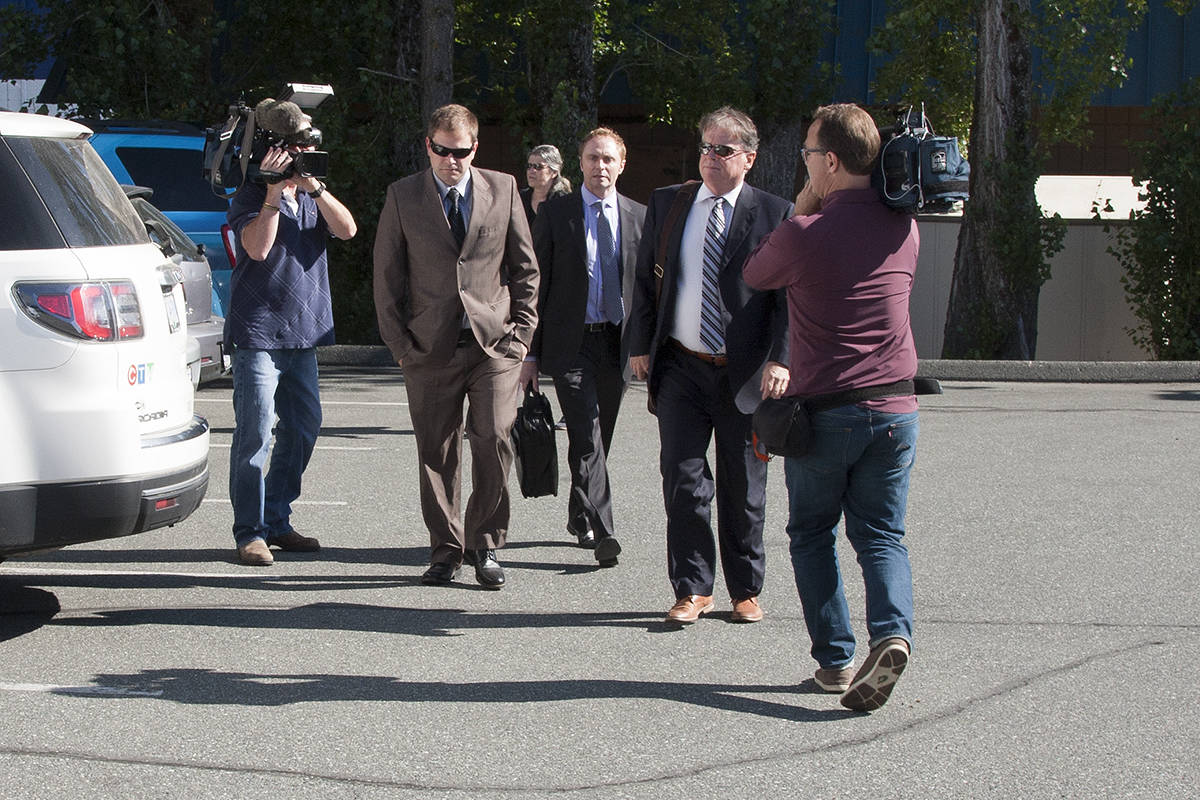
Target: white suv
pixel 98 437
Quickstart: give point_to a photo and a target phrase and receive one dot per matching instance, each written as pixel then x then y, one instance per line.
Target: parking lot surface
pixel 1055 552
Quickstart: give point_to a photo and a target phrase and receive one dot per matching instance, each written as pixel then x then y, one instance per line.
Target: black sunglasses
pixel 443 151
pixel 721 150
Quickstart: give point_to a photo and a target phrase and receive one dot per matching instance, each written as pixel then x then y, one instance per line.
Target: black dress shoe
pixel 488 571
pixel 439 573
pixel 587 539
pixel 607 550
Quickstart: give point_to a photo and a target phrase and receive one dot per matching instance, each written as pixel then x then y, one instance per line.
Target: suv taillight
pixel 227 238
pixel 103 311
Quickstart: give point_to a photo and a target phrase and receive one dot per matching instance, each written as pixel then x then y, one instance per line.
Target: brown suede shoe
pixel 256 554
pixel 746 610
pixel 834 680
pixel 688 609
pixel 873 684
pixel 294 543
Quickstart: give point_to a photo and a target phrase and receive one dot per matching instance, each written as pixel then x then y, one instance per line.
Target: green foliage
pixel 127 58
pixel 931 46
pixel 23 44
pixel 1025 258
pixel 1160 247
pixel 687 57
pixel 536 60
pixel 1082 43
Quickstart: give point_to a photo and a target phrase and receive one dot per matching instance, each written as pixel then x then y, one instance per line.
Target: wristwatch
pixel 320 190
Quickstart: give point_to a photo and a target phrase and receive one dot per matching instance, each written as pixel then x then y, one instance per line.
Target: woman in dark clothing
pixel 543 173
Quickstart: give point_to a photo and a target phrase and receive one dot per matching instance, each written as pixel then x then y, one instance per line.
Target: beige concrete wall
pixel 1082 312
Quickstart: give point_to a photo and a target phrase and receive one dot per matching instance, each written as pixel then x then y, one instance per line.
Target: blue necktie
pixel 606 255
pixel 712 329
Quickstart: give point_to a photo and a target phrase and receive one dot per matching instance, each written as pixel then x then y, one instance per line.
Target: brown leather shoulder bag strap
pixel 679 206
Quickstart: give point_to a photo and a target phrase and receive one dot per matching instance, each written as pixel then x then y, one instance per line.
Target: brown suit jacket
pixel 423 283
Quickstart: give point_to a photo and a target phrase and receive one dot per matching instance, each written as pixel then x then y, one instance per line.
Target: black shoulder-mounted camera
pixel 918 171
pixel 233 152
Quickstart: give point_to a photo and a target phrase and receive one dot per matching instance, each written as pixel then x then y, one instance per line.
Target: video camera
pixel 233 152
pixel 918 171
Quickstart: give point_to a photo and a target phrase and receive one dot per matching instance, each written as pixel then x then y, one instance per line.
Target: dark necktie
pixel 712 329
pixel 606 256
pixel 457 226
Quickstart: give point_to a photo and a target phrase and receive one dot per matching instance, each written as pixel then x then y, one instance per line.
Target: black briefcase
pixel 534 447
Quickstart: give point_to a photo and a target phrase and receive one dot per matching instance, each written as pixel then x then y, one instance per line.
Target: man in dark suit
pixel 710 348
pixel 586 244
pixel 456 294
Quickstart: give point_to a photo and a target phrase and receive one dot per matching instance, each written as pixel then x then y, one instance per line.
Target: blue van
pixel 168 157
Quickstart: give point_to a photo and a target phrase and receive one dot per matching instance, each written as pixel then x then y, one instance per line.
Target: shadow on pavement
pixel 24 609
pixel 397 556
pixel 358 617
pixel 204 686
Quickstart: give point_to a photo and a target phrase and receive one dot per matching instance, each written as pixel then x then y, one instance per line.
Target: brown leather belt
pixel 708 358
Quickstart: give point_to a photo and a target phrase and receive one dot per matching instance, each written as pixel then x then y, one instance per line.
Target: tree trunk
pixel 408 130
pixel 562 78
pixel 999 264
pixel 778 157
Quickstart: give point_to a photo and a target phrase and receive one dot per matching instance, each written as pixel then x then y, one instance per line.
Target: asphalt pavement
pixel 1056 560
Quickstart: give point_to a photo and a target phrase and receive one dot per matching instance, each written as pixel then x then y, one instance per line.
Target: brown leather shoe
pixel 746 610
pixel 256 554
pixel 688 609
pixel 294 542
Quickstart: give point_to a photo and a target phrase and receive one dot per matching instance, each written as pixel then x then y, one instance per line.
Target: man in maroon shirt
pixel 847 262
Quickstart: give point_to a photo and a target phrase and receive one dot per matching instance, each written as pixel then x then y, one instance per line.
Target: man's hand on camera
pixel 277 160
pixel 308 185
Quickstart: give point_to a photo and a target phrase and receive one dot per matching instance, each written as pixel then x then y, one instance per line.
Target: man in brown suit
pixel 456 285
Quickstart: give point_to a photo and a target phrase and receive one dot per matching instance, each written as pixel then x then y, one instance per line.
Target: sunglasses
pixel 537 167
pixel 443 151
pixel 719 150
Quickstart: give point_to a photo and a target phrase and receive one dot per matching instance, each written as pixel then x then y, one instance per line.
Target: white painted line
pixel 227 445
pixel 16 568
pixel 227 401
pixel 103 691
pixel 294 502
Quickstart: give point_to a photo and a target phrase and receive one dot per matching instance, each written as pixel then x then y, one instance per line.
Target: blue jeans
pixel 858 465
pixel 266 383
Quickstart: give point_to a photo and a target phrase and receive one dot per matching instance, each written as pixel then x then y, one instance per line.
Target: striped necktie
pixel 712 329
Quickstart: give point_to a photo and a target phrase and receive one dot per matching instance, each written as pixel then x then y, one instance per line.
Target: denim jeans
pixel 267 383
pixel 858 465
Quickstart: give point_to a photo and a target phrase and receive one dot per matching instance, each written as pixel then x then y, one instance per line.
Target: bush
pixel 1160 247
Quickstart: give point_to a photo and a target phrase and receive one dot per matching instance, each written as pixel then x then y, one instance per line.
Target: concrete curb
pixel 349 355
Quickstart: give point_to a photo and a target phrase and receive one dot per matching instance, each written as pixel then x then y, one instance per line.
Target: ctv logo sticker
pixel 139 373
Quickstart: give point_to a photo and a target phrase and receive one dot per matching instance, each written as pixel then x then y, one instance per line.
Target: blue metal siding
pixel 1165 52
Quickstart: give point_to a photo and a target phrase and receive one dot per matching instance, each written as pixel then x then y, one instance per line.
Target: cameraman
pixel 847 262
pixel 279 312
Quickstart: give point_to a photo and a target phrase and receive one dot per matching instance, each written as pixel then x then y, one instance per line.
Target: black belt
pixel 597 327
pixel 708 358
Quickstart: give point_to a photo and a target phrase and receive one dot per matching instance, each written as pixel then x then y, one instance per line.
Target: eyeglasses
pixel 443 151
pixel 537 167
pixel 719 150
pixel 805 152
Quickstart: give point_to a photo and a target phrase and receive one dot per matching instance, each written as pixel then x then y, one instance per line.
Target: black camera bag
pixel 781 426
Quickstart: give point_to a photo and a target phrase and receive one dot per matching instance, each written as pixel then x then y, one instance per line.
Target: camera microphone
pixel 282 117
